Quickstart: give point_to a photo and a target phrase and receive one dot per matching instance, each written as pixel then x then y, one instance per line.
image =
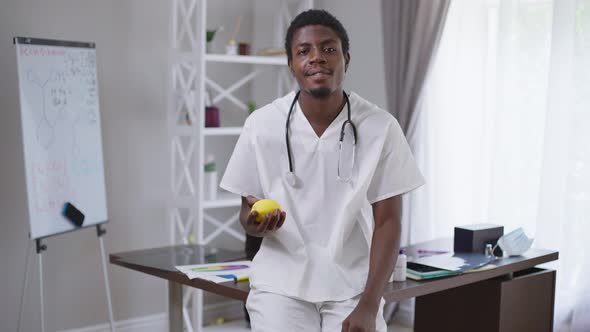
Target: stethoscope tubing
pixel 348 120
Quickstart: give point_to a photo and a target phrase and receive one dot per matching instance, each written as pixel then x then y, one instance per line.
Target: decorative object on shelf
pixel 244 49
pixel 211 116
pixel 211 113
pixel 210 37
pixel 187 118
pixel 210 185
pixel 232 47
pixel 271 51
pixel 251 106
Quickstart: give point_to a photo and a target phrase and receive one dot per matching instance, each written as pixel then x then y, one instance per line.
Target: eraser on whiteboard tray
pixel 73 214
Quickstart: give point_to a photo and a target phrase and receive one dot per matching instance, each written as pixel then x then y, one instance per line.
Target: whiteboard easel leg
pixel 40 249
pixel 41 290
pixel 100 232
pixel 24 290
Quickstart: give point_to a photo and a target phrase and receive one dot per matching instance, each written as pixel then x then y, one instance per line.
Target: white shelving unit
pixel 247 59
pixel 226 131
pixel 188 211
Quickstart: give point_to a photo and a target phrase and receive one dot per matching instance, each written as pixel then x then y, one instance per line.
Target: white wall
pixel 131 39
pixel 132 47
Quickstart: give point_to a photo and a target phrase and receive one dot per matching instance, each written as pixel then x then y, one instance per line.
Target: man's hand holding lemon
pixel 261 217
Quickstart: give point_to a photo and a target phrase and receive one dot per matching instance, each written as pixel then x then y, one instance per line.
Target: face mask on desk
pixel 515 243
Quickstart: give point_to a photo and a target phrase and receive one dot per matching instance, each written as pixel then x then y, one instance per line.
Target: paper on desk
pixel 458 262
pixel 217 272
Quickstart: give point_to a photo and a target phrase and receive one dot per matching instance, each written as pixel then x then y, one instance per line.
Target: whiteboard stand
pixel 63 158
pixel 40 248
pixel 24 290
pixel 100 232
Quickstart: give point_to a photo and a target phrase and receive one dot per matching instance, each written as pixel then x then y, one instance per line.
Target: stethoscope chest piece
pixel 291 179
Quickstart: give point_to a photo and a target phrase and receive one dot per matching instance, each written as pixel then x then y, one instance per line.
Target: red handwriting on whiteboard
pixel 51 185
pixel 40 51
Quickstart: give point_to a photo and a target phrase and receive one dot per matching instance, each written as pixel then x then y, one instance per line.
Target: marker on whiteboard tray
pixel 73 214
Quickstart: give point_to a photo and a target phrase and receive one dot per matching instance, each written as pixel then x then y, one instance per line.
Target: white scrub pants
pixel 271 312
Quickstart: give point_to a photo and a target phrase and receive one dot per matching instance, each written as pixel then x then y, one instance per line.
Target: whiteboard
pixel 62 141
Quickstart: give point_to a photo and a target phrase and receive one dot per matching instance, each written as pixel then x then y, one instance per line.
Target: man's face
pixel 318 62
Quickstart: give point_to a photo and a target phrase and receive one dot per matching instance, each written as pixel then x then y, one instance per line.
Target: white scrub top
pixel 322 251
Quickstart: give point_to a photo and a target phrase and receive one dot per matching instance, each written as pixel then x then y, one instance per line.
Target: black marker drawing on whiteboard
pixel 81 67
pixel 50 110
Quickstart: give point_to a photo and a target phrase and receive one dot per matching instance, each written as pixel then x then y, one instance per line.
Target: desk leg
pixel 174 307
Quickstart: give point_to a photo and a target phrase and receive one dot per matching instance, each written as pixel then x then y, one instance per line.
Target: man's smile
pixel 318 73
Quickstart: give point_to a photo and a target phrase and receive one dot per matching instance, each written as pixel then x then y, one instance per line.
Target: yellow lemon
pixel 265 206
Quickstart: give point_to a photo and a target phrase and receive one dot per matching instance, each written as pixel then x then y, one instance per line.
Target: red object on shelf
pixel 211 116
pixel 244 49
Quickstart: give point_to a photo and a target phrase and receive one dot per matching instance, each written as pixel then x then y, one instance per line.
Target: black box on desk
pixel 473 238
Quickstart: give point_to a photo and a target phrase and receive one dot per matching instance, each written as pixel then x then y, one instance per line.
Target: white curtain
pixel 504 134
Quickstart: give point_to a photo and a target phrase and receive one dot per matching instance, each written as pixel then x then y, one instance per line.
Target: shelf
pixel 224 199
pixel 250 59
pixel 186 130
pixel 222 131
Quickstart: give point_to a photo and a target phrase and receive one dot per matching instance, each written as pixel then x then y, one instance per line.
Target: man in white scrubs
pixel 326 258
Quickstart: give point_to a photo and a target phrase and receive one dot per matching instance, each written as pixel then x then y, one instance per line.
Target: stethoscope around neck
pixel 290 176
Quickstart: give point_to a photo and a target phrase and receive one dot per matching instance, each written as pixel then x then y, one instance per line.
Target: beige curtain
pixel 411 31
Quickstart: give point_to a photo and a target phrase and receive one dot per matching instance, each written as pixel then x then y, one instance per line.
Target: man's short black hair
pixel 316 17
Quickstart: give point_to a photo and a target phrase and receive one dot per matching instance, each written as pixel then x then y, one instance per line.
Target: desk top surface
pixel 396 291
pixel 160 262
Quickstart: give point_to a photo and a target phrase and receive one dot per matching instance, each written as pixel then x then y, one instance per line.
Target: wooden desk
pixel 515 296
pixel 450 301
pixel 160 262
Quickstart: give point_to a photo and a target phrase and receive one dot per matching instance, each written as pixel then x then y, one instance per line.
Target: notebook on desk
pixel 417 271
pixel 447 264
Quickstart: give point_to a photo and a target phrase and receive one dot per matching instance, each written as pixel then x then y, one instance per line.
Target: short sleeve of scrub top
pixel 241 174
pixel 397 171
